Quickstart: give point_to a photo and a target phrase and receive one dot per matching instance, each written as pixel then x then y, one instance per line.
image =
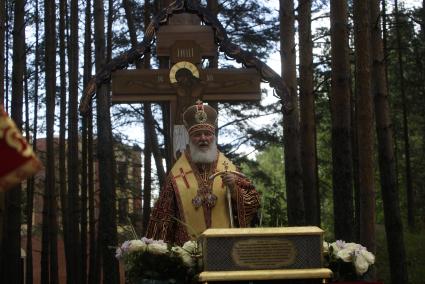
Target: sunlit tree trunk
pixel 342 173
pixel 386 154
pixel 293 171
pixel 307 113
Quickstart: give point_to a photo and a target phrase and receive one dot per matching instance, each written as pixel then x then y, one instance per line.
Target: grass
pixel 415 251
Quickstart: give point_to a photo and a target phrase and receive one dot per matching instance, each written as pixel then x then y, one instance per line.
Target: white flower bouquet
pixel 348 261
pixel 147 259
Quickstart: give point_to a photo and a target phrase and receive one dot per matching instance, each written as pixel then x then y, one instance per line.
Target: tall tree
pixel 2 43
pixel 390 198
pixel 7 19
pixel 62 133
pixel 364 111
pixel 107 236
pixel 31 188
pixel 409 186
pixel 292 156
pixel 147 181
pixel 307 113
pixel 85 179
pixel 150 136
pixel 94 254
pixel 342 173
pixel 49 243
pixel 11 243
pixel 75 275
pixel 3 17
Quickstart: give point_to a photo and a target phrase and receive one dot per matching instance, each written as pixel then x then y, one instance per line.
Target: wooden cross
pixel 185 42
pixel 183 176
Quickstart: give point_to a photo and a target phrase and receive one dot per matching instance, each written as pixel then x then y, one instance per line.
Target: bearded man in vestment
pixel 190 201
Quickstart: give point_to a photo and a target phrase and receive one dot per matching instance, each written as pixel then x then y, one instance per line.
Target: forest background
pixel 347 158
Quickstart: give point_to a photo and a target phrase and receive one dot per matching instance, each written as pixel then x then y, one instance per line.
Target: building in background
pixel 128 198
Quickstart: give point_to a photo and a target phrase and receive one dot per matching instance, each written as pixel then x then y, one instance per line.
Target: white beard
pixel 199 156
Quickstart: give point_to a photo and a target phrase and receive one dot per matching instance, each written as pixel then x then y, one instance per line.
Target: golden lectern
pixel 263 255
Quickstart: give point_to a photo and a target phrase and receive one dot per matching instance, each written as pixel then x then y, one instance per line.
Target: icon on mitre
pixel 17 159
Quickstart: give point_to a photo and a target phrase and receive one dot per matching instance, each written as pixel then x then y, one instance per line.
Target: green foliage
pixel 413 59
pixel 251 24
pixel 267 173
pixel 155 267
pixel 415 253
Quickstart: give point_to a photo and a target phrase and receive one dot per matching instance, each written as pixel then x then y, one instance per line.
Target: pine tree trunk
pixel 94 255
pixel 29 273
pixel 107 234
pixel 147 183
pixel 2 44
pixel 342 173
pixel 364 109
pixel 50 20
pixel 50 83
pixel 149 120
pixel 293 171
pixel 85 146
pixel 147 173
pixel 84 191
pixel 409 187
pixel 29 188
pixel 7 20
pixel 390 198
pixel 355 155
pixel 150 134
pixel 307 113
pixel 73 166
pixel 422 55
pixel 11 245
pixel 30 208
pixel 3 29
pixel 62 134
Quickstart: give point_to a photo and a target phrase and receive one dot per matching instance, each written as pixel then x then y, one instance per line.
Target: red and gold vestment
pixel 189 203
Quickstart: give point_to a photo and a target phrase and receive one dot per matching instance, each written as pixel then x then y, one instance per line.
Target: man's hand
pixel 229 180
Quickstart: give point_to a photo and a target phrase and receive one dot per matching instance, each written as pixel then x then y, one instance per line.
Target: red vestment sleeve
pixel 17 159
pixel 247 202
